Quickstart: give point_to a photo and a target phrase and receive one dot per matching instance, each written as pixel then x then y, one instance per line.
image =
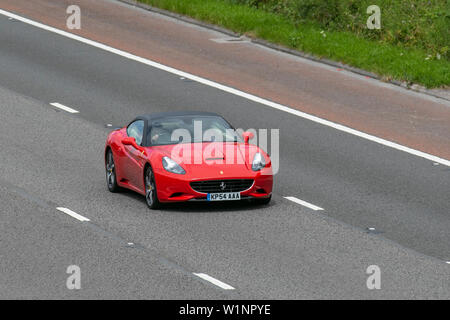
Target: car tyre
pixel 111 178
pixel 151 196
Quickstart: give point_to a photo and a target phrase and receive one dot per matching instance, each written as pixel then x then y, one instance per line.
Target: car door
pixel 134 160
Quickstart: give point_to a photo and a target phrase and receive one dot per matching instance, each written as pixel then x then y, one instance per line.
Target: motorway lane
pixel 38 244
pixel 357 181
pixel 279 251
pixel 271 252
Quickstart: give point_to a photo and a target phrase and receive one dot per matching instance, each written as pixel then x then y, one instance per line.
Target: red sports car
pixel 187 156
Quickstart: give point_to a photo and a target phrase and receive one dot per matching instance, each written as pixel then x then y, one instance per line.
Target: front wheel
pixel 150 189
pixel 110 167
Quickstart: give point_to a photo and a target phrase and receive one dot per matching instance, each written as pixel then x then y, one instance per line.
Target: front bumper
pixel 176 188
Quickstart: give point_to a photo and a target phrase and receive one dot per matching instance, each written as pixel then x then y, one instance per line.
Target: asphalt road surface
pixel 50 158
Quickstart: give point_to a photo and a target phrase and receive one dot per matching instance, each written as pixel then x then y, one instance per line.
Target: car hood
pixel 209 160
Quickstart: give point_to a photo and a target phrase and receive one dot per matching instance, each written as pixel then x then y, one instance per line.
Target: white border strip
pixel 230 90
pixel 214 281
pixel 73 214
pixel 63 107
pixel 304 203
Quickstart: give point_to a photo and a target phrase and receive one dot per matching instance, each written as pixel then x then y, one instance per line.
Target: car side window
pixel 136 130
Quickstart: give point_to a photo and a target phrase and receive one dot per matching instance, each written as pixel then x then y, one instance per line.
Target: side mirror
pixel 247 136
pixel 130 141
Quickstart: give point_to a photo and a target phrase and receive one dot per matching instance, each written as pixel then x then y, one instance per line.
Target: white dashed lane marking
pixel 214 281
pixel 63 107
pixel 73 214
pixel 304 203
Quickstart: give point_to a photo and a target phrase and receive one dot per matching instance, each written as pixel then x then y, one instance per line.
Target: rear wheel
pixel 263 201
pixel 111 180
pixel 150 189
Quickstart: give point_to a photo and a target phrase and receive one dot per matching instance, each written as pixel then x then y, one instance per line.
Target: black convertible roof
pixel 149 118
pixel 160 115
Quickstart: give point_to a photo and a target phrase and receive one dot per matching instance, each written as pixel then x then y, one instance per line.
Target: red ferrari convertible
pixel 187 156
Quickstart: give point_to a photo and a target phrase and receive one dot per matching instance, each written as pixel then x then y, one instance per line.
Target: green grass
pixel 392 57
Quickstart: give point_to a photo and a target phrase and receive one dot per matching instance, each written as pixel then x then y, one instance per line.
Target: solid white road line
pixel 304 203
pixel 73 214
pixel 214 281
pixel 230 90
pixel 63 107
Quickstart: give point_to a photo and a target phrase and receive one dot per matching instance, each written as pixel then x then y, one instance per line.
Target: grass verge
pixel 413 65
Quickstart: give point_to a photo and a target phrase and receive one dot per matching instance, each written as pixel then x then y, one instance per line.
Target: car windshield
pixel 188 129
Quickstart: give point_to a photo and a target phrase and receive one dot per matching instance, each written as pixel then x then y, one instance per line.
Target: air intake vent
pixel 212 186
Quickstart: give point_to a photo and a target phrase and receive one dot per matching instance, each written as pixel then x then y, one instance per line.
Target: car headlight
pixel 258 162
pixel 171 166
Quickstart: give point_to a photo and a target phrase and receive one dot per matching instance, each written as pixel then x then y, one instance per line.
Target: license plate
pixel 223 196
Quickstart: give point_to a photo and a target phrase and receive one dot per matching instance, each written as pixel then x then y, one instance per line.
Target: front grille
pixel 212 186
